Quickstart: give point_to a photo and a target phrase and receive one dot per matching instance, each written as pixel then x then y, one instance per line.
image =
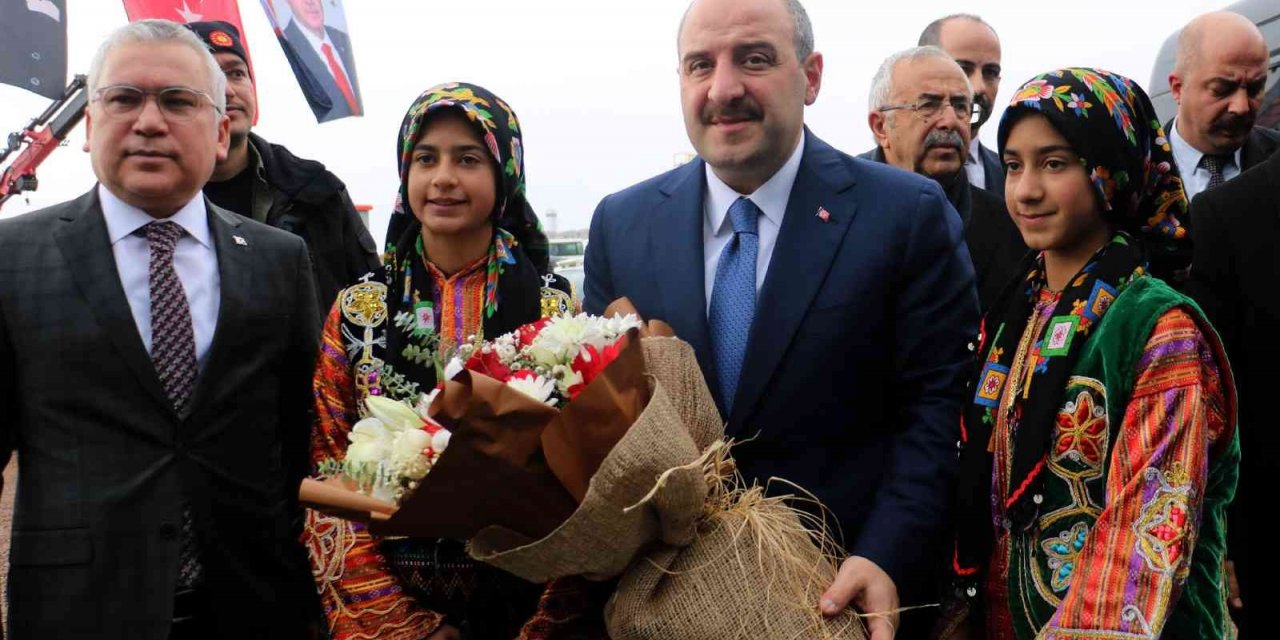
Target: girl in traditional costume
pixel 1099 450
pixel 466 260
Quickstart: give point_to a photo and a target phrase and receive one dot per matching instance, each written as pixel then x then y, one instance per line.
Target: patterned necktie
pixel 173 343
pixel 173 353
pixel 341 78
pixel 733 298
pixel 1214 165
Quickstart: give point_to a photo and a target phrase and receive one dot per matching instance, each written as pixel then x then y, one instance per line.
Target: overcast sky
pixel 593 81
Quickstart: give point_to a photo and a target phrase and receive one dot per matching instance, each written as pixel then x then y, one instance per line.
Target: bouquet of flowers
pixel 591 446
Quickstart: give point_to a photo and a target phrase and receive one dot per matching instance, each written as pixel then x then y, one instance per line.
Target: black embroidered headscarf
pixel 500 129
pixel 1112 127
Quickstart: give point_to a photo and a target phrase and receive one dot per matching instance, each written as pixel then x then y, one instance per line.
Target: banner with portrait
pixel 314 36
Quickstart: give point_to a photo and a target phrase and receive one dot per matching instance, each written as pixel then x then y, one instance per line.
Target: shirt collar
pixel 975 152
pixel 1186 156
pixel 771 198
pixel 124 219
pixel 316 41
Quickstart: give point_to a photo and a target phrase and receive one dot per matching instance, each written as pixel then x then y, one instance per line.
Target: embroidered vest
pixel 1042 559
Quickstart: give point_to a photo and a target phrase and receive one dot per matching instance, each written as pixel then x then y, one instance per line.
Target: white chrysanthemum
pixel 619 324
pixel 565 377
pixel 534 386
pixel 562 338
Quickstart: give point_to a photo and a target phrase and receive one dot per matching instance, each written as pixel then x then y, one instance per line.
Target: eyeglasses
pixel 929 108
pixel 176 103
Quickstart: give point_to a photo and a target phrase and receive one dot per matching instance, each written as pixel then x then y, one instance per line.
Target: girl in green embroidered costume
pixel 1099 446
pixel 465 260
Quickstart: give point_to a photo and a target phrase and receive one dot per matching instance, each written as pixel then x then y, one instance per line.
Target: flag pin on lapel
pixel 824 215
pixel 240 241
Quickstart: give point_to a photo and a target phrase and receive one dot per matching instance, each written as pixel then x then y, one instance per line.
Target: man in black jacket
pixel 1233 276
pixel 266 182
pixel 921 108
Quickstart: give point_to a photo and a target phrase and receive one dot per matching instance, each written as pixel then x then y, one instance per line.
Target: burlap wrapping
pixel 603 535
pixel 692 552
pixel 722 586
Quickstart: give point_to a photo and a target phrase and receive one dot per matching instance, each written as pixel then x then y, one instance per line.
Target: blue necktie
pixel 733 298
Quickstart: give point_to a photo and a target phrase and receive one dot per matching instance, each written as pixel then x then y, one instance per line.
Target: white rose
pixel 408 445
pixel 440 441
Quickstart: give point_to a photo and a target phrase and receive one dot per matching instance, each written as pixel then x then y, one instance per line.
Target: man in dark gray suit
pixel 155 369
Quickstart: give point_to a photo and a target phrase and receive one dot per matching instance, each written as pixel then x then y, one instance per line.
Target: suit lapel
pixel 235 270
pixel 676 245
pixel 801 259
pixel 85 245
pixel 1257 148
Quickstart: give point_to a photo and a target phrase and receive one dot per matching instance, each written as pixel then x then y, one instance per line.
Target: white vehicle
pixel 567 251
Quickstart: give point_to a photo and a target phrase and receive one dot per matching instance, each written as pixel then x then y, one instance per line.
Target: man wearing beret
pixel 266 182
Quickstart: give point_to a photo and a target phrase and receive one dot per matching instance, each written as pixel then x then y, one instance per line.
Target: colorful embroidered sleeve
pixel 1138 555
pixel 362 599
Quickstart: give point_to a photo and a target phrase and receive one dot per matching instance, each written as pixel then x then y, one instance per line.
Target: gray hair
pixel 803 34
pixel 882 83
pixel 932 34
pixel 162 32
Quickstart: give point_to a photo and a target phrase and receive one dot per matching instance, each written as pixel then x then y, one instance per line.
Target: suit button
pixel 972 346
pixel 168 530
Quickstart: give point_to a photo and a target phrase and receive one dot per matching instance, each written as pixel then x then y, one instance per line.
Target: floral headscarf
pixel 500 129
pixel 1110 123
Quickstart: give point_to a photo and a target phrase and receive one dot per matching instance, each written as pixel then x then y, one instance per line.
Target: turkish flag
pixel 190 11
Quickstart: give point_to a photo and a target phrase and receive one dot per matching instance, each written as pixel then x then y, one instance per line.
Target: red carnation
pixel 590 362
pixel 489 364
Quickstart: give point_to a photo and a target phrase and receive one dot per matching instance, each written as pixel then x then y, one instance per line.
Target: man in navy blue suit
pixel 829 299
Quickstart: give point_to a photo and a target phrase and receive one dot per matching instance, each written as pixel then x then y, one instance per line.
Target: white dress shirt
pixel 717 229
pixel 194 258
pixel 318 42
pixel 1195 178
pixel 974 167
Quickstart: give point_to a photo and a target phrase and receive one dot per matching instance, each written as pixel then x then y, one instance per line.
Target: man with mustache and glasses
pixel 1217 80
pixel 920 115
pixel 829 299
pixel 156 354
pixel 266 182
pixel 976 48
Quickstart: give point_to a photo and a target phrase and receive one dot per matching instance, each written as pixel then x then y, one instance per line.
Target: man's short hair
pixel 160 32
pixel 799 17
pixel 882 82
pixel 932 34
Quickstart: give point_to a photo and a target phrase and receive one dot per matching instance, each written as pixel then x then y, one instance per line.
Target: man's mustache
pixel 740 110
pixel 944 138
pixel 1233 123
